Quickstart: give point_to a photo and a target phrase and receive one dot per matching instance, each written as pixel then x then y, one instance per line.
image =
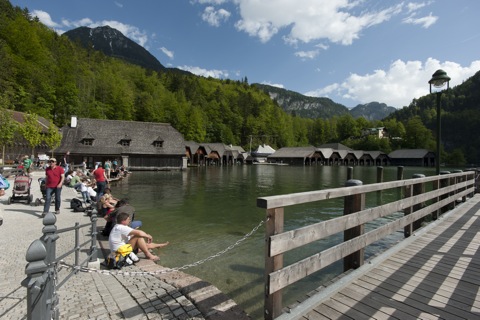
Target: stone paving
pixel 156 293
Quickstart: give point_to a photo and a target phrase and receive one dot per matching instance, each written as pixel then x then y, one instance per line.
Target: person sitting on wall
pixel 138 239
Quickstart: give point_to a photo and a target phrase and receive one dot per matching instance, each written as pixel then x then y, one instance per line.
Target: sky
pixel 351 51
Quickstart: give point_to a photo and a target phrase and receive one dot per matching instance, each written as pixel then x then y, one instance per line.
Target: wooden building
pixel 136 145
pixel 412 157
pixel 200 154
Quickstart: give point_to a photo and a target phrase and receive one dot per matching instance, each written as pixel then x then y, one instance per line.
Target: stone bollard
pixel 349 173
pixel 353 203
pixel 36 282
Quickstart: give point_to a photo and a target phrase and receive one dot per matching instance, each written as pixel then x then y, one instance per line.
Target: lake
pixel 204 210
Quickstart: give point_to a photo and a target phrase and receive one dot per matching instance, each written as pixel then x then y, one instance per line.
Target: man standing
pixel 101 179
pixel 27 164
pixel 54 176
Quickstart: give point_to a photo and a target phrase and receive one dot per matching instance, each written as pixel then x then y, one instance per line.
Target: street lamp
pixel 439 79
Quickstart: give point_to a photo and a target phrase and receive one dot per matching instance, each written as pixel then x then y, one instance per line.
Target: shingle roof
pixel 108 134
pixel 293 152
pixel 408 154
pixel 336 146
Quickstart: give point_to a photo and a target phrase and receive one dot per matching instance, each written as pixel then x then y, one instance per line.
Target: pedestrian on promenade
pixel 54 176
pixel 138 239
pixel 101 179
pixel 27 164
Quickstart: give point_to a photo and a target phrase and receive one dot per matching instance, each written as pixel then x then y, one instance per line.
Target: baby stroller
pixel 43 189
pixel 21 189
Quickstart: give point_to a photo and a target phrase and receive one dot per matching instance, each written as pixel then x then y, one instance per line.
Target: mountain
pixel 372 111
pixel 113 43
pixel 303 106
pixel 311 107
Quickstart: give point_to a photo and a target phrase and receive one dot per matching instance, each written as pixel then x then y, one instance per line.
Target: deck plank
pixel 435 276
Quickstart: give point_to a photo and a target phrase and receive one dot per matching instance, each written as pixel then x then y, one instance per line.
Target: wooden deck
pixel 434 274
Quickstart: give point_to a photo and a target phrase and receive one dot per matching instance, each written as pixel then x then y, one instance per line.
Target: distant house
pixel 293 155
pixel 262 152
pixel 412 157
pixel 136 145
pixel 379 132
pixel 374 158
pixel 214 153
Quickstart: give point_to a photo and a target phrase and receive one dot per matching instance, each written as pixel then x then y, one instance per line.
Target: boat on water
pixel 271 163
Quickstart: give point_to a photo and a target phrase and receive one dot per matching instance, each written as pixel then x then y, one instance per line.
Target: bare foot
pixel 153 257
pixel 157 245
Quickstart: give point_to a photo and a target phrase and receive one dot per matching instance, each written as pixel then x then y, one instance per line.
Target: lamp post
pixel 439 79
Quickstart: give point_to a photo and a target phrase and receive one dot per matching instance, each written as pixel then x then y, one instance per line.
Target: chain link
pixel 184 267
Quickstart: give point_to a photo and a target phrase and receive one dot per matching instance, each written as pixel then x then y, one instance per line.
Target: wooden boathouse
pixel 432 274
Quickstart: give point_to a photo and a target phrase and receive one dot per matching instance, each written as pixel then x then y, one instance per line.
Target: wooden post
pixel 353 204
pixel 379 180
pixel 458 180
pixel 443 184
pixel 349 173
pixel 274 225
pixel 418 188
pixel 399 177
pixel 408 229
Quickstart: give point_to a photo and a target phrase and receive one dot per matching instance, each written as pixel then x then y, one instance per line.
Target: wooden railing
pixel 446 191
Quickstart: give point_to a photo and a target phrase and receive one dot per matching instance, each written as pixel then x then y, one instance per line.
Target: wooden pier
pixel 432 274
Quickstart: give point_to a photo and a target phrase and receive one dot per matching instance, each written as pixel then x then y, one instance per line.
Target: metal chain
pixel 184 267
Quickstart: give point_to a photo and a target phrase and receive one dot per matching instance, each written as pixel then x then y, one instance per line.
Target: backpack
pixel 124 256
pixel 76 205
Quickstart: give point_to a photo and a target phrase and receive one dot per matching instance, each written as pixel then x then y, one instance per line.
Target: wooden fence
pixel 445 191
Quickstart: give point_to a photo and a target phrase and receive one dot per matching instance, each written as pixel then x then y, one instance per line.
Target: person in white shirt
pixel 138 239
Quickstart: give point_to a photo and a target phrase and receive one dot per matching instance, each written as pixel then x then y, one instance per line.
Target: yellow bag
pixel 125 249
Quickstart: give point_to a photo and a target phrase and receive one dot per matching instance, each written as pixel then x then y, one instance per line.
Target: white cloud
pixel 214 2
pixel 167 52
pixel 219 74
pixel 273 84
pixel 45 18
pixel 215 17
pixel 307 54
pixel 129 31
pixel 118 4
pixel 423 21
pixel 309 20
pixel 398 85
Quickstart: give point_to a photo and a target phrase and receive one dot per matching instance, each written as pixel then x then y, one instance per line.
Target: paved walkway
pixel 155 293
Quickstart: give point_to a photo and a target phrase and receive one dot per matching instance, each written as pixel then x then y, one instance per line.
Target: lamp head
pixel 439 78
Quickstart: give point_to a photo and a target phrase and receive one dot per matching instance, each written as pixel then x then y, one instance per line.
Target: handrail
pixel 42 267
pixel 446 190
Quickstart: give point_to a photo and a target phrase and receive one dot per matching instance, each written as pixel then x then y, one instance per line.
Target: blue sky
pixel 352 51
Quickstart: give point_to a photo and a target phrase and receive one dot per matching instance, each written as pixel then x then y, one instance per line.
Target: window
pixel 87 142
pixel 125 143
pixel 158 144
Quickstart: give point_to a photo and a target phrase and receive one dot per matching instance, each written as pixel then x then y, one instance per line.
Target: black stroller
pixel 43 189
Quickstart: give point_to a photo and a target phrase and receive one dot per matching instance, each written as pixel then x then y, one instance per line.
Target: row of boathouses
pixel 159 146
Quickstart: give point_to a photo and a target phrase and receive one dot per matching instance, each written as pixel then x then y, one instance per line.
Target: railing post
pixel 458 180
pixel 418 188
pixel 37 276
pixel 400 177
pixel 353 203
pixel 93 246
pixel 49 238
pixel 274 225
pixel 443 184
pixel 379 180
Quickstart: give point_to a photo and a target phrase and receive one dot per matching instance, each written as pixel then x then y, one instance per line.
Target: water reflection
pixel 202 211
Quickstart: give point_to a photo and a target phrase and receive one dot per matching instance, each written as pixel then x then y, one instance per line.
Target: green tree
pixel 53 137
pixel 418 136
pixel 9 128
pixel 31 130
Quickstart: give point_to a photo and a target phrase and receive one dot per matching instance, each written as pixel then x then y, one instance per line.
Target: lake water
pixel 203 210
